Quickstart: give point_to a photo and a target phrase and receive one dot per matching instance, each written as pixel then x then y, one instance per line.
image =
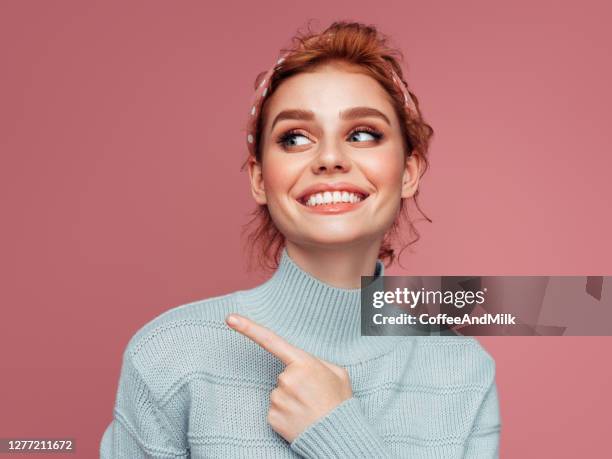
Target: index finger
pixel 265 338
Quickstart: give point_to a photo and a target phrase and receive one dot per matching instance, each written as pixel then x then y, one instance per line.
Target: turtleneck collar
pixel 313 315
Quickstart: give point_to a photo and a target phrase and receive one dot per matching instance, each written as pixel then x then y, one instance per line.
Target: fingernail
pixel 232 320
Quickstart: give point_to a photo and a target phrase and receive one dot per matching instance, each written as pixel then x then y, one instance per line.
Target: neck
pixel 340 267
pixel 314 315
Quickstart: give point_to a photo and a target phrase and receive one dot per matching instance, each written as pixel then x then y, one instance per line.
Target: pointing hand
pixel 306 390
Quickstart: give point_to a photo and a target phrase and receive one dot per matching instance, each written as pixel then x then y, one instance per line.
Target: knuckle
pixel 267 341
pixel 275 396
pixel 272 417
pixel 284 379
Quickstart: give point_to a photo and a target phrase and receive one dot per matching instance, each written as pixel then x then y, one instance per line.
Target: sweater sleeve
pixel 483 441
pixel 343 432
pixel 139 428
pixel 346 432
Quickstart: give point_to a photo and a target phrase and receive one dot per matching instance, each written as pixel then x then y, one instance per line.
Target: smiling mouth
pixel 333 201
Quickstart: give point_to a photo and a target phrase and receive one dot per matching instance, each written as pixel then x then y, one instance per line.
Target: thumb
pixel 339 371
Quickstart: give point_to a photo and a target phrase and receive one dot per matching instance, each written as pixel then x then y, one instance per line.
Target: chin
pixel 335 235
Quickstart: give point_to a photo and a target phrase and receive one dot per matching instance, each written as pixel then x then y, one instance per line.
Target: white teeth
pixel 332 197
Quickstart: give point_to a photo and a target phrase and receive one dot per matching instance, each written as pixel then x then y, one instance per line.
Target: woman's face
pixel 332 135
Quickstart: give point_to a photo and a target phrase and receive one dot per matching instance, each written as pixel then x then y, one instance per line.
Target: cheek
pixel 384 170
pixel 280 173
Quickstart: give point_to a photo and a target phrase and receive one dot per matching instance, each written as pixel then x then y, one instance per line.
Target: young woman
pixel 337 146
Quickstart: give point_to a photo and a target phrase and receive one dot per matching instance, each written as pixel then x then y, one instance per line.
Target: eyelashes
pixel 289 135
pixel 373 132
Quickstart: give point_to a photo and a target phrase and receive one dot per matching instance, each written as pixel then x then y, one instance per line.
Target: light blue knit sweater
pixel 192 387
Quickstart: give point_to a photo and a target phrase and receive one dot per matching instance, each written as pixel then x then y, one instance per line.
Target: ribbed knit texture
pixel 192 387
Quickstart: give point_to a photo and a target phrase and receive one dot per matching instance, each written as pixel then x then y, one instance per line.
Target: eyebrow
pixel 348 114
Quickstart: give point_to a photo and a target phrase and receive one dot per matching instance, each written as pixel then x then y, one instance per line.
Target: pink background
pixel 121 195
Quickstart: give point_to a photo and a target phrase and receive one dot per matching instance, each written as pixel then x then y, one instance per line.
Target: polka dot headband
pixel 262 91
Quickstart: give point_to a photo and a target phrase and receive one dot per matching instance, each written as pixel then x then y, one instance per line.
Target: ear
pixel 411 175
pixel 257 181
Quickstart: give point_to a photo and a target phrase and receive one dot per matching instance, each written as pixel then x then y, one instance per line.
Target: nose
pixel 331 159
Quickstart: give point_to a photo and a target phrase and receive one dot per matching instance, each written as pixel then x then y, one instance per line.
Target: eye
pixel 374 135
pixel 291 136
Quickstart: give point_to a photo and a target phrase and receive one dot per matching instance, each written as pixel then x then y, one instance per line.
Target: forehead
pixel 329 88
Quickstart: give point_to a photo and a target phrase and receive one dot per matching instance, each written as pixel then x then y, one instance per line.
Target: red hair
pixel 363 46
